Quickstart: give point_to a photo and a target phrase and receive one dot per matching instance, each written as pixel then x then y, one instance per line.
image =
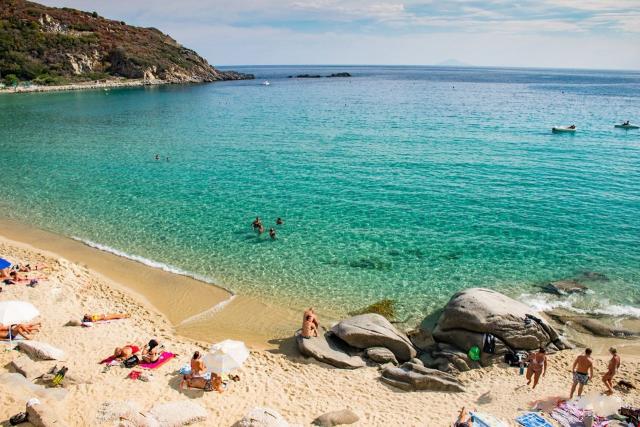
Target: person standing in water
pixel 257 223
pixel 537 366
pixel 272 233
pixel 279 221
pixel 582 372
pixel 614 365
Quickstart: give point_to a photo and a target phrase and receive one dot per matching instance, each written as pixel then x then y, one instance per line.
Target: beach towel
pixel 531 419
pixel 164 358
pixel 482 419
pixel 569 415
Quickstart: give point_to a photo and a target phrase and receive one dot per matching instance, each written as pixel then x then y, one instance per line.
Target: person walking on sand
pixel 612 369
pixel 582 372
pixel 537 366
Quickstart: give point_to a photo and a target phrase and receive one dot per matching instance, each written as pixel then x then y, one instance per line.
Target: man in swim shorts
pixel 582 372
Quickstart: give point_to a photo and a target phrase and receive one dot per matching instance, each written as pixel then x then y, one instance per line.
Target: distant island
pixel 318 76
pixel 453 63
pixel 48 46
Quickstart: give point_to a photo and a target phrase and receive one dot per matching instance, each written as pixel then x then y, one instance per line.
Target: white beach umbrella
pixel 226 356
pixel 12 312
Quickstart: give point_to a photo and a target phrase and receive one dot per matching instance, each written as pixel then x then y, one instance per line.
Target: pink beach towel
pixel 164 358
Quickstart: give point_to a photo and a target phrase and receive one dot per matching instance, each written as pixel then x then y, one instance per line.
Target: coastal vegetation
pixel 52 46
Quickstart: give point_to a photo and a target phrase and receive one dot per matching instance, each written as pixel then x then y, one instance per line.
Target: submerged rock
pixel 413 377
pixel 565 287
pixel 329 349
pixel 372 330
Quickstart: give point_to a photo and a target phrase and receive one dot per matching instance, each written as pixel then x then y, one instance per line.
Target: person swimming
pixel 272 233
pixel 279 221
pixel 257 223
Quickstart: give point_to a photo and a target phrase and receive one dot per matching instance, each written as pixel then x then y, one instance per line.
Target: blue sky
pixel 536 33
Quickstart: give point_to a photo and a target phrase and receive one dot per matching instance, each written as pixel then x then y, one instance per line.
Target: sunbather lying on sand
pixel 24 329
pixel 103 317
pixel 16 278
pixel 151 352
pixel 464 420
pixel 215 383
pixel 123 353
pixel 25 268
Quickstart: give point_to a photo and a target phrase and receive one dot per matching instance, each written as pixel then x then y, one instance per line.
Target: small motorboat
pixel 266 83
pixel 627 126
pixel 563 129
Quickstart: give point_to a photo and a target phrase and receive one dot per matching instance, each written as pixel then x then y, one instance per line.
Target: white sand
pixel 299 389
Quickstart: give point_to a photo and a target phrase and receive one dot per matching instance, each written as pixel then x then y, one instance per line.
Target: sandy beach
pixel 274 376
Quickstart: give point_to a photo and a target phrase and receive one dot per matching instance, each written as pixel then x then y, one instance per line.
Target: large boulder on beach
pixel 329 349
pixel 477 311
pixel 565 287
pixel 373 330
pixel 414 377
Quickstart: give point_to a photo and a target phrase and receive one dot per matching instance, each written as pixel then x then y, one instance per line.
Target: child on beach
pixel 582 372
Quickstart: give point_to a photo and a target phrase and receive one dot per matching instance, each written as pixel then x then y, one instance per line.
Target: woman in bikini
pixel 537 366
pixel 26 330
pixel 123 353
pixel 103 317
pixel 151 352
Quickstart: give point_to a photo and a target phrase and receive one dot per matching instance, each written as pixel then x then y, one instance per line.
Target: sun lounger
pixel 531 419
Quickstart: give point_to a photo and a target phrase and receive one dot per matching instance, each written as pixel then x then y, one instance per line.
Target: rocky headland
pixel 48 46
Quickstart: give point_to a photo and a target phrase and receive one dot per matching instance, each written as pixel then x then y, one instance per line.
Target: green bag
pixel 474 353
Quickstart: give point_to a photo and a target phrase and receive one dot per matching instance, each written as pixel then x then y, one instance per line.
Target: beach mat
pixel 164 358
pixel 531 419
pixel 482 419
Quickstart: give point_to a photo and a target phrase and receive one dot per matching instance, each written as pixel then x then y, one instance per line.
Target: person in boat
pixel 625 123
pixel 272 233
pixel 537 366
pixel 571 127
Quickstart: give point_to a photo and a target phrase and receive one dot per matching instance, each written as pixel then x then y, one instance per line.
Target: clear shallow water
pixel 406 183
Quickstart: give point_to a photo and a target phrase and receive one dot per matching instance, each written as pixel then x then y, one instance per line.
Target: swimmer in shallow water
pixel 279 221
pixel 272 233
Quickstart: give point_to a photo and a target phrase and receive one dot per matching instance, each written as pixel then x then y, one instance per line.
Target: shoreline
pixel 196 309
pixel 94 85
pixel 270 379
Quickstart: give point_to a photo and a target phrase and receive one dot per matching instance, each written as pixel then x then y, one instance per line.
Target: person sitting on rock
pixel 309 328
pixel 309 312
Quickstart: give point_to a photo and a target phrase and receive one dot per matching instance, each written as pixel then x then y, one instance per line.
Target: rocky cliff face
pixel 48 44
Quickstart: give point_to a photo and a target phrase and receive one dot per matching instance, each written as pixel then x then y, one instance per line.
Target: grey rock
pixel 421 338
pixel 373 330
pixel 412 377
pixel 329 349
pixel 27 367
pixel 565 287
pixel 381 355
pixel 44 415
pixel 480 311
pixel 336 418
pixel 417 361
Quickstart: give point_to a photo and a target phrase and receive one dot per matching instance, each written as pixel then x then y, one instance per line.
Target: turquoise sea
pixel 407 183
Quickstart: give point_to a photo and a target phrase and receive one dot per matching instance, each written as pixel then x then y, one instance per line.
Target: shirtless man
pixel 309 312
pixel 537 366
pixel 582 372
pixel 614 365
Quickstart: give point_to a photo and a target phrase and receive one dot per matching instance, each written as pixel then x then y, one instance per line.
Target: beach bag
pixel 511 359
pixel 131 362
pixel 489 345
